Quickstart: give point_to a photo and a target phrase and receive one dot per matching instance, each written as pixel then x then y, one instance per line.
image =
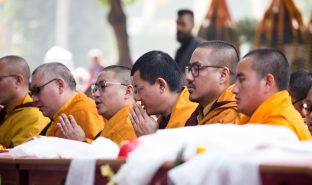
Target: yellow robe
pixel 181 111
pixel 22 123
pixel 278 110
pixel 85 113
pixel 223 110
pixel 119 127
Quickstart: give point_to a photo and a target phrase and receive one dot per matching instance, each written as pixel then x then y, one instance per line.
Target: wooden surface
pixel 46 171
pixel 53 172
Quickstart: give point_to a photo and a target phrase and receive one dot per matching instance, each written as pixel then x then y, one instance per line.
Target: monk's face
pixel 8 84
pixel 110 94
pixel 47 98
pixel 248 87
pixel 204 82
pixel 149 94
pixel 308 110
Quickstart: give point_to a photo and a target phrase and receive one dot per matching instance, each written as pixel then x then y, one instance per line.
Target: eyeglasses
pixel 35 90
pixel 307 107
pixel 5 76
pixel 101 85
pixel 194 69
pixel 297 101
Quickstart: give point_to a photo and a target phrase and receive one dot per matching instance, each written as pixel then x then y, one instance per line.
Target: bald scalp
pixel 121 73
pixel 16 65
pixel 222 54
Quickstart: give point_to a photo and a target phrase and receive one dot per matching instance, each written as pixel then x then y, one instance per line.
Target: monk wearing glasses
pixel 210 76
pixel 113 96
pixel 53 89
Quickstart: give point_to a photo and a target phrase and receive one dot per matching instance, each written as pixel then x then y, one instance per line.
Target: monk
pixel 307 106
pixel 53 88
pixel 19 118
pixel 113 95
pixel 158 83
pixel 261 91
pixel 210 77
pixel 299 85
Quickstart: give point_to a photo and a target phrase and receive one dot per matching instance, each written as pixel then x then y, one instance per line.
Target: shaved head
pixel 15 65
pixel 121 73
pixel 271 61
pixel 57 70
pixel 223 54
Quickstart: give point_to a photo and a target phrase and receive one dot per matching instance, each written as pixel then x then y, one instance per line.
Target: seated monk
pixel 19 118
pixel 261 91
pixel 158 83
pixel 299 85
pixel 307 106
pixel 53 88
pixel 113 95
pixel 209 77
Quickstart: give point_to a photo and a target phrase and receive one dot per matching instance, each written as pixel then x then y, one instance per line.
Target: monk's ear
pixel 162 84
pixel 269 82
pixel 61 85
pixel 19 79
pixel 224 75
pixel 129 91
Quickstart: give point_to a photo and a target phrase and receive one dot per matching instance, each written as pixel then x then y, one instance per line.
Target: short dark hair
pixel 224 54
pixel 271 61
pixel 55 70
pixel 158 64
pixel 19 65
pixel 121 73
pixel 300 83
pixel 186 12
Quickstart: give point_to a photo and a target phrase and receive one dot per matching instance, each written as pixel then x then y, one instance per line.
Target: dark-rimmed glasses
pixel 101 85
pixel 195 68
pixel 307 107
pixel 297 101
pixel 35 90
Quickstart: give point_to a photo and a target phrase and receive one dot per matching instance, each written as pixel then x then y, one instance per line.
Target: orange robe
pixel 278 110
pixel 21 122
pixel 85 113
pixel 181 111
pixel 222 110
pixel 119 127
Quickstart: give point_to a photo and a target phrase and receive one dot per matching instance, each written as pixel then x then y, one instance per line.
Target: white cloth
pixel 81 172
pixel 83 155
pixel 54 147
pixel 164 145
pixel 237 168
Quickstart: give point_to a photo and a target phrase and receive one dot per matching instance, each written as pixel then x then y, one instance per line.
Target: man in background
pixel 185 25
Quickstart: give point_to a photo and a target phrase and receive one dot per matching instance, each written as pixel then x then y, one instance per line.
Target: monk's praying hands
pixel 142 123
pixel 70 129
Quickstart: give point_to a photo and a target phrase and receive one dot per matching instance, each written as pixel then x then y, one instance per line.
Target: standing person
pixel 54 92
pixel 185 25
pixel 261 91
pixel 19 118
